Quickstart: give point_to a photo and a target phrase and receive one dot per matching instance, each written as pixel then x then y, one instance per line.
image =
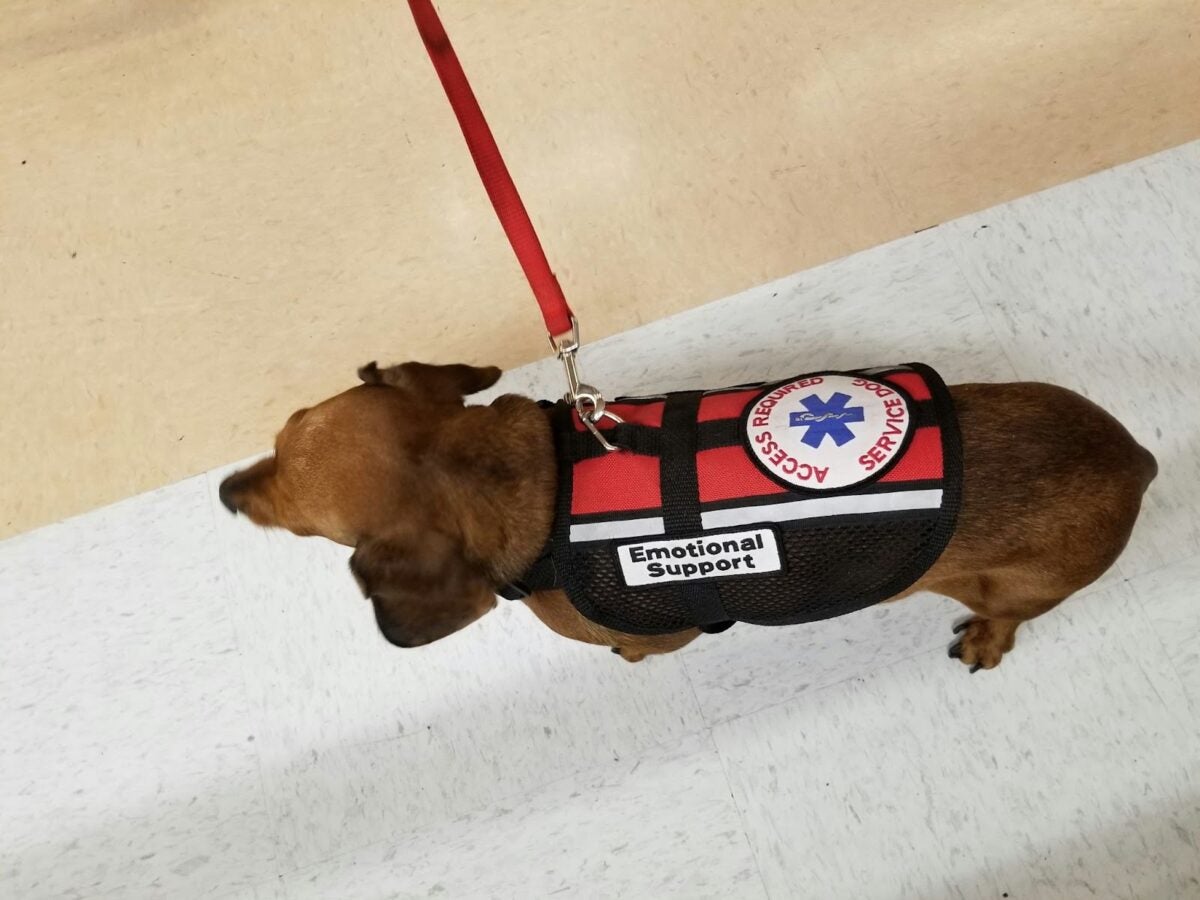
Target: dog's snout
pixel 399 639
pixel 393 632
pixel 397 636
pixel 226 493
pixel 248 491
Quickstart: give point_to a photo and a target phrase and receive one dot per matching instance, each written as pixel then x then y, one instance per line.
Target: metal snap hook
pixel 589 403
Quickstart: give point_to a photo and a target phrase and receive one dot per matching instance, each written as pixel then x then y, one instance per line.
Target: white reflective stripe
pixel 821 506
pixel 618 528
pixel 775 512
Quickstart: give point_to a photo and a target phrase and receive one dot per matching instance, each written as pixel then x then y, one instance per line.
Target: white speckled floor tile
pixel 272 889
pixel 1171 598
pixel 127 763
pixel 362 741
pixel 746 669
pixel 1095 285
pixel 662 826
pixel 1067 772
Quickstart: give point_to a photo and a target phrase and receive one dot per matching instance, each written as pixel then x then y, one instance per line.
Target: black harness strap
pixel 540 577
pixel 680 491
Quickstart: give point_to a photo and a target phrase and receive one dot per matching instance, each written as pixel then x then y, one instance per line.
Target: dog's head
pixel 441 501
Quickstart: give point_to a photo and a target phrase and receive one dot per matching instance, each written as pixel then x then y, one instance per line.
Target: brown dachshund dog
pixel 444 502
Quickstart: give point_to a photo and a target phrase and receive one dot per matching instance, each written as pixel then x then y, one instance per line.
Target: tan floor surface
pixel 212 211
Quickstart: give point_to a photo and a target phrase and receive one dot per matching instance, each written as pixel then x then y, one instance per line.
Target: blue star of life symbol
pixel 826 418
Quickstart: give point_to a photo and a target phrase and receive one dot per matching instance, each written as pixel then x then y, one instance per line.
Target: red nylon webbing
pixel 496 180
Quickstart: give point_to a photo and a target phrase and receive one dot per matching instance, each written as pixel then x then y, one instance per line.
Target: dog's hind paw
pixel 983 643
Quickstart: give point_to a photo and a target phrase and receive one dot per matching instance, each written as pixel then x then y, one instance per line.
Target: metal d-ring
pixel 589 418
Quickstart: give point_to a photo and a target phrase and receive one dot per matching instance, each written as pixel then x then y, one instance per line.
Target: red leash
pixel 496 180
pixel 560 322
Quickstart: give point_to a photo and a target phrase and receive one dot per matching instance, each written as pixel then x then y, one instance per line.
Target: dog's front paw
pixel 629 655
pixel 983 643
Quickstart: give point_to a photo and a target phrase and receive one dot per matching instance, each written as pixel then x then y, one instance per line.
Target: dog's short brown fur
pixel 445 502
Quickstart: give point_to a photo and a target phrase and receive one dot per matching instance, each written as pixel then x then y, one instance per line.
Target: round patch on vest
pixel 827 432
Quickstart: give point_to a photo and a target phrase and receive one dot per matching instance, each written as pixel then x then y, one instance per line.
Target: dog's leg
pixel 998 611
pixel 556 611
pixel 635 648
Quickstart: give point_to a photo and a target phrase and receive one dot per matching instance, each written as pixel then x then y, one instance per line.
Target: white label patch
pixel 691 559
pixel 826 432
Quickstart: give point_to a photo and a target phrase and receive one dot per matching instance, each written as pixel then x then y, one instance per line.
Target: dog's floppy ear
pixel 443 382
pixel 421 584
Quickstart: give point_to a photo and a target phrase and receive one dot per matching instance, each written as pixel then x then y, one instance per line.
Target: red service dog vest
pixel 769 504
